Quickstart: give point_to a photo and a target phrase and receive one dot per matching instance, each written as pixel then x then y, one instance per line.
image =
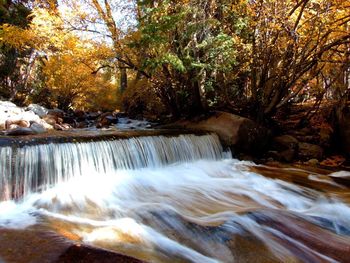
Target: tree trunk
pixel 123 80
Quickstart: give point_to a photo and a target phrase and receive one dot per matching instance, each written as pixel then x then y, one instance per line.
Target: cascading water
pixel 30 168
pixel 173 199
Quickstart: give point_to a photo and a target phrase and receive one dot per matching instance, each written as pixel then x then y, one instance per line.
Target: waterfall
pixel 35 168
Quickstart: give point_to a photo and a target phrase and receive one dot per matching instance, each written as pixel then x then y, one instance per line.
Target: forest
pixel 179 57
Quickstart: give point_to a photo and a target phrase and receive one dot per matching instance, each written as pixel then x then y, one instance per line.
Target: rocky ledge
pixel 36 119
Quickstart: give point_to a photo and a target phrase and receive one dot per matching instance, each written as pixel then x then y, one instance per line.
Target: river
pixel 168 199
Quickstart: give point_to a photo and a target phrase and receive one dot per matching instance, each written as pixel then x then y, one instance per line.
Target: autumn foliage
pixel 182 57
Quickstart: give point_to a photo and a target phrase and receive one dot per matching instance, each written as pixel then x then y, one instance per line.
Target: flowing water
pixel 173 199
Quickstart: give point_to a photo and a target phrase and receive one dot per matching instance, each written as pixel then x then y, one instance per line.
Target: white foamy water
pixel 181 199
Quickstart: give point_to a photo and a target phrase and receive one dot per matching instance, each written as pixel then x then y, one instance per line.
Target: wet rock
pixel 341 177
pixel 310 151
pixel 20 131
pixel 35 246
pixel 106 119
pixel 35 128
pixel 85 254
pixel 121 115
pixel 37 109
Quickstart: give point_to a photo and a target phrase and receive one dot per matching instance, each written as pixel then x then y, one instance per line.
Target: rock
pixel 106 119
pixel 61 127
pixel 80 115
pixel 310 151
pixel 52 119
pixel 11 114
pixel 325 136
pixel 238 133
pixel 37 128
pixel 37 109
pixel 20 131
pixel 45 124
pixel 56 112
pixel 287 155
pixel 286 146
pixel 12 126
pixel 81 125
pixel 284 142
pixel 341 177
pixel 93 115
pixel 18 123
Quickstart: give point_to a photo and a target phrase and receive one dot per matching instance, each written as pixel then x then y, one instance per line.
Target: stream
pixel 167 199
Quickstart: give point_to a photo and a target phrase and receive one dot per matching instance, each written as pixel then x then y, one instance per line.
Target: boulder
pixel 37 109
pixel 11 114
pixel 310 151
pixel 238 133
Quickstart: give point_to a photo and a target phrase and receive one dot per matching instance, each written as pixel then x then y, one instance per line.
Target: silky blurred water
pixel 174 199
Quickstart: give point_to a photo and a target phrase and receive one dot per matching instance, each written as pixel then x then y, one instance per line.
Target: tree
pixel 72 69
pixel 14 63
pixel 291 43
pixel 101 20
pixel 189 48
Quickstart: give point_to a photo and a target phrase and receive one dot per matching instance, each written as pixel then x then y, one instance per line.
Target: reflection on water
pixel 211 209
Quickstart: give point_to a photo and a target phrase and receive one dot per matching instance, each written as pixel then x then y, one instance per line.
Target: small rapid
pixel 176 199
